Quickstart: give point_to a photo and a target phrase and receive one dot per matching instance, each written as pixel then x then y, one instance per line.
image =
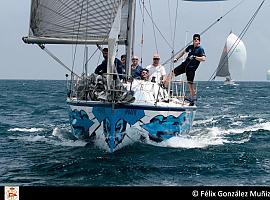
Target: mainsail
pixel 75 22
pixel 234 55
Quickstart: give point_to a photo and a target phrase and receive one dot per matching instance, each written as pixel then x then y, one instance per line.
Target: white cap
pixel 156 55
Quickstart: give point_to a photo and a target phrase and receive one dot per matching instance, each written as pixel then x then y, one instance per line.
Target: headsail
pixel 80 21
pixel 234 55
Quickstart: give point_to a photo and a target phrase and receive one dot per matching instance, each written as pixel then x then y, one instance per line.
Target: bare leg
pixel 191 89
pixel 167 79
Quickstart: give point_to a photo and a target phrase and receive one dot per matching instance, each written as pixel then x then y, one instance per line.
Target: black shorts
pixel 182 68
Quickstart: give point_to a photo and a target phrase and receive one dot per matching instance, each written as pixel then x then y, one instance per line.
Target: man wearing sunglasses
pixel 156 70
pixel 196 55
pixel 145 74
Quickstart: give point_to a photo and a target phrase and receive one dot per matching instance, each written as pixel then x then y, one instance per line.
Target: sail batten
pixel 56 21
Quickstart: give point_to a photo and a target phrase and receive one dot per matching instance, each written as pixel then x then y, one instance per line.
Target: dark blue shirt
pixel 196 51
pixel 102 68
pixel 136 73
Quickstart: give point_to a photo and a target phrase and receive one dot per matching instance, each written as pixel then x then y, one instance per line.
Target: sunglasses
pixel 155 58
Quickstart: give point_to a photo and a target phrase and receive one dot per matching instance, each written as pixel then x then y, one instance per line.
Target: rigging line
pixel 204 31
pixel 241 35
pixel 173 43
pixel 56 59
pixel 170 20
pixel 142 36
pixel 153 26
pixel 91 56
pixel 175 22
pixel 157 28
pixel 77 38
pixel 85 46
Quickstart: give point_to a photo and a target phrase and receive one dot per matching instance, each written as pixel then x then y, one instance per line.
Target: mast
pixel 113 44
pixel 130 34
pixel 86 59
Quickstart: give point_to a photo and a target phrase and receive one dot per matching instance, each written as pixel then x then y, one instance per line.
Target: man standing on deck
pixel 196 55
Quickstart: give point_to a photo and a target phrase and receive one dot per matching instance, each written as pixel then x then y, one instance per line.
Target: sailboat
pixel 234 55
pixel 108 110
pixel 268 75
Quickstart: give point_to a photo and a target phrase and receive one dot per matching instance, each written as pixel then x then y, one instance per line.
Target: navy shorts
pixel 182 68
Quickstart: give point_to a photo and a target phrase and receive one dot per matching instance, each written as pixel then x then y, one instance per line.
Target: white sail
pixel 268 75
pixel 80 21
pixel 234 56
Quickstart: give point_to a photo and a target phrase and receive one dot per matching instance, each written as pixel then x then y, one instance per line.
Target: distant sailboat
pixel 234 55
pixel 268 75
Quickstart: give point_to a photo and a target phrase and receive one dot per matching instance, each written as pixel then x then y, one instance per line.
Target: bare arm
pixel 200 58
pixel 180 54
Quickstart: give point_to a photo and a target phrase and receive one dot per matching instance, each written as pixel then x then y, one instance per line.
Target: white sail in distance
pixel 268 75
pixel 233 57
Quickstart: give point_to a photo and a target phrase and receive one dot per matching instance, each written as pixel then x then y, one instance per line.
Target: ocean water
pixel 228 145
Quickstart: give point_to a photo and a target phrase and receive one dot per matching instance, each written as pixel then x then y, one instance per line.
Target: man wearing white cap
pixel 156 70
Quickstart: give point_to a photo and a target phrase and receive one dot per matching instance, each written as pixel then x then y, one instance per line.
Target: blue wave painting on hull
pixel 161 128
pixel 80 123
pixel 115 122
pixel 119 131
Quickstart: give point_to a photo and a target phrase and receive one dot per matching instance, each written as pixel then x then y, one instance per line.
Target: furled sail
pixel 80 21
pixel 234 55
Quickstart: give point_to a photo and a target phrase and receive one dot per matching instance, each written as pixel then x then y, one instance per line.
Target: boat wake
pixel 205 137
pixel 59 136
pixel 200 137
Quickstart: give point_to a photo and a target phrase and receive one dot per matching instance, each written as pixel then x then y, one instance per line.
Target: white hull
pixel 231 82
pixel 112 126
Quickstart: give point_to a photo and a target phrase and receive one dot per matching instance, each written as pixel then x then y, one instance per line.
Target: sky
pixel 22 61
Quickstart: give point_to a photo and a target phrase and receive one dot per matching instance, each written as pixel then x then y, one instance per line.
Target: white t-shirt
pixel 157 72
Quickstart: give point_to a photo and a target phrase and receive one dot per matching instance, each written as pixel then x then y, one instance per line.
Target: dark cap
pixel 105 49
pixel 197 36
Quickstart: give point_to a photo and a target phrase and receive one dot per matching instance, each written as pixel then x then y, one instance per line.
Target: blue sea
pixel 229 144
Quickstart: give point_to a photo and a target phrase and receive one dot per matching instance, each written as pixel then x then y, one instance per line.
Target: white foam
pixel 253 128
pixel 206 121
pixel 61 137
pixel 192 142
pixel 202 138
pixel 31 130
pixel 56 132
pixel 70 143
pixel 30 138
pixel 65 138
